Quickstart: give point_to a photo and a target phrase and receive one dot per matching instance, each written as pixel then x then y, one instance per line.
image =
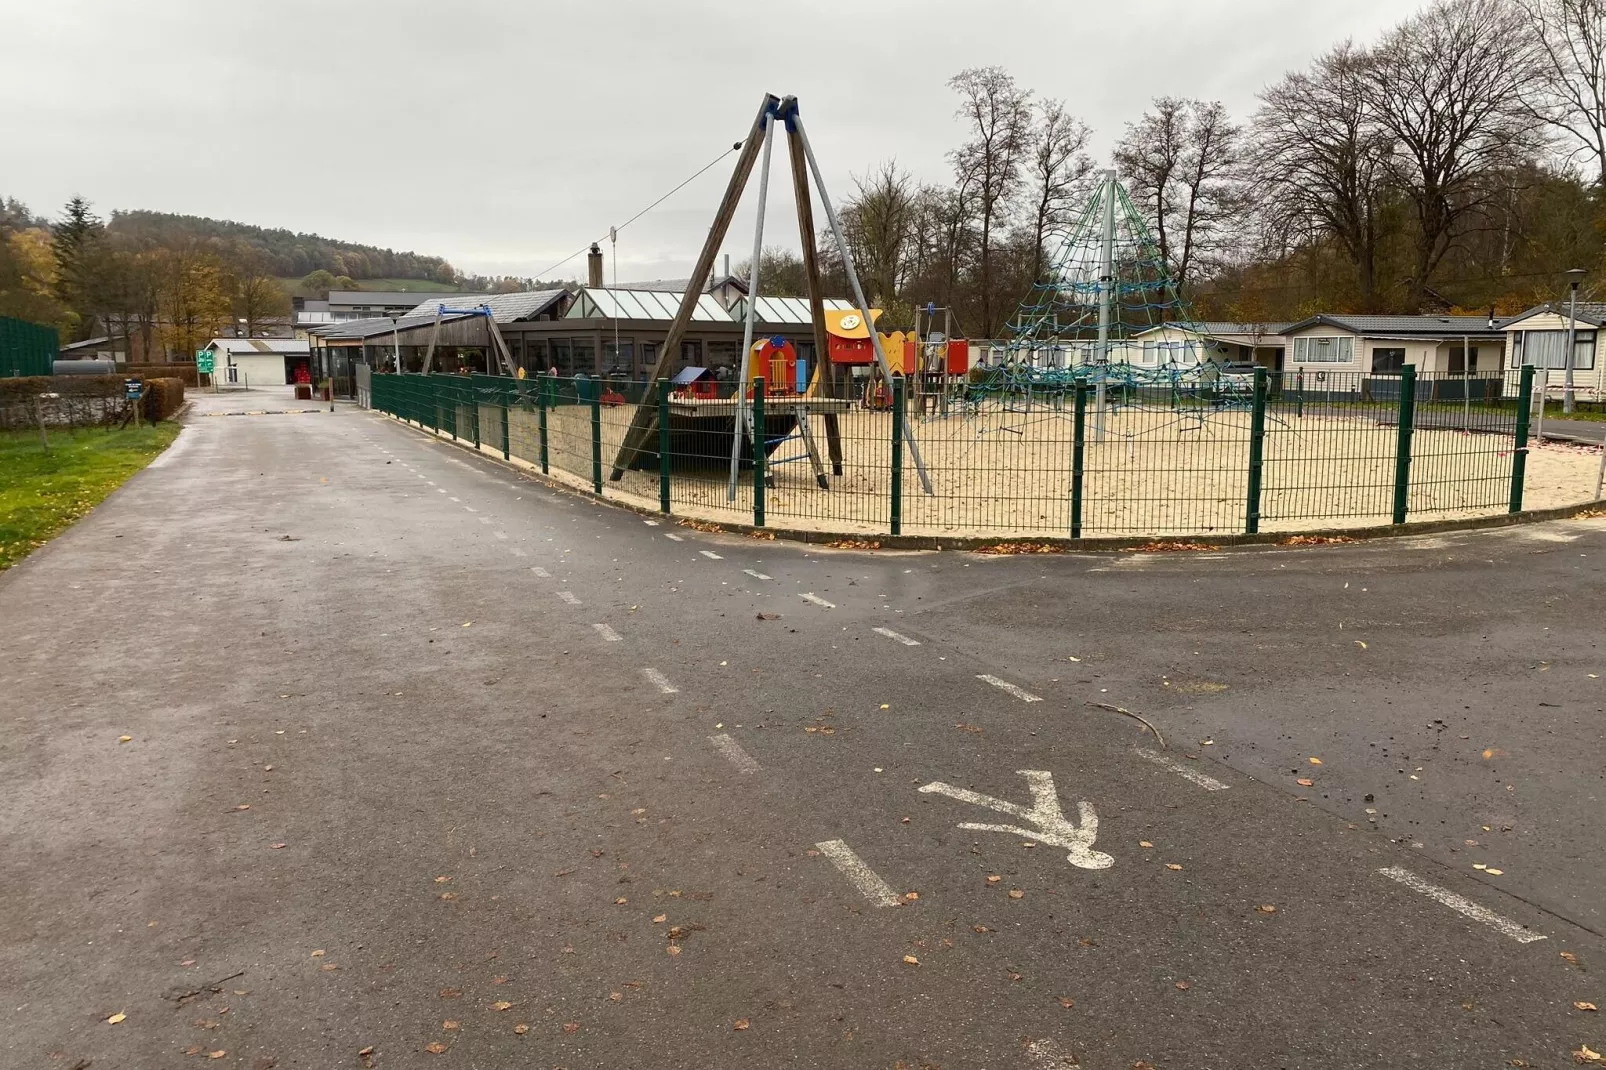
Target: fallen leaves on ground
pixel 1570 957
pixel 320 953
pixel 1067 1002
pixel 329 967
pixel 501 1005
pixel 1172 865
pixel 125 739
pixel 968 727
pixel 114 1019
pixel 1021 548
pixel 1315 761
pixel 522 1028
pixel 1585 1054
pixel 448 896
pixel 220 1053
pixel 277 846
pixel 1016 893
pixel 673 949
pixel 1183 986
pixel 1171 546
pixel 660 919
pixel 1266 908
pixel 911 960
pixel 855 544
pixel 1305 782
pixel 911 895
pixel 443 879
pixel 451 993
pixel 1145 843
pixel 740 1024
pixel 994 879
pixel 435 1047
pixel 1315 540
pixel 571 1027
pixel 1584 1005
pixel 616 997
pixel 698 525
pixel 449 1024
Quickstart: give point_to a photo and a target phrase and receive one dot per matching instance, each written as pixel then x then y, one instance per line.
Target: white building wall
pixel 1588 384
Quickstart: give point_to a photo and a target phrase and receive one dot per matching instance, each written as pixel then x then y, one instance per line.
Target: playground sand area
pixel 1153 472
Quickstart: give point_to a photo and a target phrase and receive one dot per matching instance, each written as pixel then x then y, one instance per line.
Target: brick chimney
pixel 594 267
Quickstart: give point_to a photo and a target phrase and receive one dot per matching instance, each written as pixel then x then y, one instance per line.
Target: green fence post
pixel 474 411
pixel 543 399
pixel 663 445
pixel 1257 453
pixel 759 456
pixel 1519 453
pixel 1402 447
pixel 897 454
pixel 1078 451
pixel 594 387
pixel 502 393
pixel 1299 392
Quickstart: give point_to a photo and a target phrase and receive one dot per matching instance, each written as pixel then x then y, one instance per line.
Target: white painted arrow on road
pixel 1045 813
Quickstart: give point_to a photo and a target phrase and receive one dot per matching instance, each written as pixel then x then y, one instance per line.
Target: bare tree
pixel 1447 86
pixel 1058 167
pixel 999 116
pixel 1321 159
pixel 878 220
pixel 1180 161
pixel 1569 93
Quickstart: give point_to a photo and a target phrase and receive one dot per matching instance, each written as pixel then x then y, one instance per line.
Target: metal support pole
pixel 543 403
pixel 594 386
pixel 474 411
pixel 1572 338
pixel 1519 448
pixel 1078 452
pixel 502 392
pixel 858 292
pixel 1257 454
pixel 759 456
pixel 898 388
pixel 1466 383
pixel 1106 292
pixel 742 422
pixel 1402 444
pixel 663 445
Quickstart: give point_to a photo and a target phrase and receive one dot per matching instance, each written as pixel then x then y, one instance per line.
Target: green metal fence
pixel 26 348
pixel 1261 452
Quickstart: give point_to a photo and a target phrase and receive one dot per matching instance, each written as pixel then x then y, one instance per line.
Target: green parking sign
pixel 204 361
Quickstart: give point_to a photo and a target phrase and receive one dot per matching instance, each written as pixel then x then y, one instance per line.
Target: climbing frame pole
pixel 639 434
pixel 811 267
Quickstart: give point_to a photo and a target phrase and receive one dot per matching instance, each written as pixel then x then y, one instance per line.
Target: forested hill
pixel 278 252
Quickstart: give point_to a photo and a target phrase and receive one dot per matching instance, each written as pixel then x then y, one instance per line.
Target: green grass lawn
pixel 43 491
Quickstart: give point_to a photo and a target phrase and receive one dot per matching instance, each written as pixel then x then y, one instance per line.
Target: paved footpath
pixel 430 766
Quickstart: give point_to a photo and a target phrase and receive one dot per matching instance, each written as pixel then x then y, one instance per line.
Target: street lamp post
pixel 1574 276
pixel 395 344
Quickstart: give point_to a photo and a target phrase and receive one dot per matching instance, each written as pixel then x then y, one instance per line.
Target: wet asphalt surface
pixel 390 786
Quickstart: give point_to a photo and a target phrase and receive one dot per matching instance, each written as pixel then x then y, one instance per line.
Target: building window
pixel 723 354
pixel 585 356
pixel 1548 349
pixel 562 356
pixel 619 359
pixel 1459 364
pixel 1388 360
pixel 1324 350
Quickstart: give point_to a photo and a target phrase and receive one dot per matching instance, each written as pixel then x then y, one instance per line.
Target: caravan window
pixel 1548 349
pixel 1339 349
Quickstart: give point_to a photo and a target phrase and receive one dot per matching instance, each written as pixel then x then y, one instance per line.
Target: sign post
pixel 133 390
pixel 205 361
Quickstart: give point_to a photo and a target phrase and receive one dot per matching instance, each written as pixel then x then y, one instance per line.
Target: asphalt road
pixel 431 766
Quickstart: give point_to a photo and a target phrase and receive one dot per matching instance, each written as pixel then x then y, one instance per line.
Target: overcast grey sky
pixel 504 135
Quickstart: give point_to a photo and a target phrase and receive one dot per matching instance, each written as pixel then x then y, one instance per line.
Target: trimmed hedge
pixel 84 401
pixel 163 396
pixel 186 373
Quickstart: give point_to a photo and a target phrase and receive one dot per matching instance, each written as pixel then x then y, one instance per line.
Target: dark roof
pixel 689 375
pixel 678 286
pixel 87 343
pixel 1426 326
pixel 505 308
pixel 1588 312
pixel 388 297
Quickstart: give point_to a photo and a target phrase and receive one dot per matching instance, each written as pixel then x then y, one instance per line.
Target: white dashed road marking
pixel 568 596
pixel 1209 783
pixel 1004 685
pixel 862 876
pixel 671 535
pixel 1504 926
pixel 471 509
pixel 817 600
pixel 541 572
pixel 607 633
pixel 660 681
pixel 483 519
pixel 711 555
pixel 896 636
pixel 754 573
pixel 733 750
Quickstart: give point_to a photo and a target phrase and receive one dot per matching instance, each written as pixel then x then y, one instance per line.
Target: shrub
pixel 163 396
